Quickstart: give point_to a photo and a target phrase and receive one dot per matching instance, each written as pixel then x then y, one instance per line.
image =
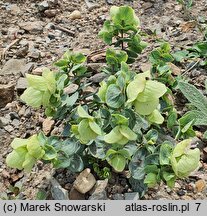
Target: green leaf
pixel 184 160
pixel 155 117
pixel 32 97
pixel 76 163
pixel 17 143
pixel 50 153
pixel 83 114
pixel 86 134
pixel 193 95
pixel 34 148
pixel 151 136
pixel 153 89
pixel 16 158
pixel 165 153
pixel 95 127
pixel 180 55
pixel 151 180
pixel 102 91
pixel 114 97
pixel 28 162
pixel 146 108
pixel 127 132
pixel 172 119
pixel 120 119
pixel 37 82
pixel 114 136
pixel 118 162
pixel 124 16
pixel 134 88
pixel 151 169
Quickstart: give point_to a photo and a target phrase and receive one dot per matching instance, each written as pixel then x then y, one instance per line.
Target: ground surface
pixel 39 44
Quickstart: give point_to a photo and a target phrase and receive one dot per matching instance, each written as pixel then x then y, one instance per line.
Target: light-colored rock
pixel 6 94
pixel 91 5
pixel 75 195
pixel 58 193
pixel 84 181
pixel 50 13
pixel 22 84
pixel 47 125
pixel 145 67
pixel 13 66
pixel 175 70
pixel 200 185
pixel 100 186
pixel 42 6
pixel 97 78
pixel 76 14
pixel 99 196
pixel 71 88
pixel 35 27
pixel 13 9
pixel 38 71
pixel 131 196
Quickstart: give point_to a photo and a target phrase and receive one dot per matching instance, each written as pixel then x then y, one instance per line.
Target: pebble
pixel 99 196
pixel 47 125
pixel 22 84
pixel 35 27
pixel 75 195
pixel 131 196
pixel 71 89
pixel 58 193
pixel 118 196
pixel 13 66
pixel 75 15
pixel 84 181
pixel 50 13
pixel 6 94
pixel 200 185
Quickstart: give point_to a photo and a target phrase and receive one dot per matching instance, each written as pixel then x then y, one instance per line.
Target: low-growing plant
pixel 121 127
pixel 198 104
pixel 122 29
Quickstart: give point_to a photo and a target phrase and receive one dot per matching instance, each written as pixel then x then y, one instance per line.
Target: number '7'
pixel 198 205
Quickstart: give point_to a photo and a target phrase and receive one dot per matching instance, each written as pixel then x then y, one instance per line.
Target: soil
pixel 53 33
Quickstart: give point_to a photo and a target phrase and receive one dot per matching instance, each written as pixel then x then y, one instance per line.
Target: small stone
pixel 13 115
pixel 5 120
pixel 13 9
pixel 43 6
pixel 175 70
pixel 75 15
pixel 28 113
pixel 13 66
pixel 35 27
pixel 75 195
pixel 47 125
pixel 180 193
pixel 131 196
pixel 15 123
pixel 22 111
pixel 91 5
pixel 200 185
pixel 6 94
pixel 38 71
pixel 58 193
pixel 71 89
pixel 118 196
pixel 145 67
pixel 34 53
pixel 84 181
pixel 97 78
pixel 50 13
pixel 178 7
pixel 100 186
pixel 9 128
pixel 22 84
pixel 99 196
